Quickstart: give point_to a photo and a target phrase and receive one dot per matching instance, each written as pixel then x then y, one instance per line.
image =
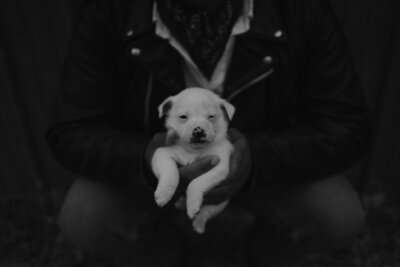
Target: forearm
pixel 98 150
pixel 306 152
pixel 330 126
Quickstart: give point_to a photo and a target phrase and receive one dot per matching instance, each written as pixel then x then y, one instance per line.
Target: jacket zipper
pixel 147 103
pixel 252 82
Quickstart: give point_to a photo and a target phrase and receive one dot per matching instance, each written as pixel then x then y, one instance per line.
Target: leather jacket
pixel 298 100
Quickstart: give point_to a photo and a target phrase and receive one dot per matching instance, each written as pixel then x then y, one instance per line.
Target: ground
pixel 30 238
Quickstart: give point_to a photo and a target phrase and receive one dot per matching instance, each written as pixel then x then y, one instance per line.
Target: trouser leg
pixel 118 220
pixel 318 216
pixel 292 219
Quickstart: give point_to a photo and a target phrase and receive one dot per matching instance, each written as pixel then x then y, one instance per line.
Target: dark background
pixel 33 40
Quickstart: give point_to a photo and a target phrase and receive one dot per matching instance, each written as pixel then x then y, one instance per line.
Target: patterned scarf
pixel 203 36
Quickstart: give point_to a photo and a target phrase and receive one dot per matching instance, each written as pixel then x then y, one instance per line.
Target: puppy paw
pixel 162 197
pixel 194 199
pixel 199 223
pixel 193 205
pixel 192 212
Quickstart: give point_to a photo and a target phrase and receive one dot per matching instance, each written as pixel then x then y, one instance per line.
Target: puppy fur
pixel 197 122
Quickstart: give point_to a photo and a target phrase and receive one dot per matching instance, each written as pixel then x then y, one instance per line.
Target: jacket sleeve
pixel 332 124
pixel 85 134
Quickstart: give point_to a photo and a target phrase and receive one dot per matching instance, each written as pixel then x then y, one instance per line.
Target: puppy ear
pixel 228 109
pixel 165 107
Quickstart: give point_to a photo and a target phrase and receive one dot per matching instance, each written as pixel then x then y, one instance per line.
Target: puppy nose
pixel 198 133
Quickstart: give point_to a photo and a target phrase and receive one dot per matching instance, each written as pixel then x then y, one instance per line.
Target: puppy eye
pixel 211 117
pixel 183 117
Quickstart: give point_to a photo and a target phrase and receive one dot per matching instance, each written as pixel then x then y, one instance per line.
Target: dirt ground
pixel 29 237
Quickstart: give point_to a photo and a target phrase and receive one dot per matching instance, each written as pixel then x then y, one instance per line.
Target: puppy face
pixel 196 117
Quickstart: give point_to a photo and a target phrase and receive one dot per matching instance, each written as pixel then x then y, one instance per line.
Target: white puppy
pixel 197 120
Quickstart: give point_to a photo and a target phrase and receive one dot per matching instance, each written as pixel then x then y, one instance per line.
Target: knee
pixel 339 228
pixel 89 217
pixel 322 234
pixel 335 217
pixel 116 222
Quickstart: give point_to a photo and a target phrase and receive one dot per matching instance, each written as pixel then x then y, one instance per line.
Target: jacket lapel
pixel 251 57
pixel 254 53
pixel 151 51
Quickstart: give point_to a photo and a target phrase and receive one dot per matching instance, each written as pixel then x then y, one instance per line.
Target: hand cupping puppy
pixel 197 139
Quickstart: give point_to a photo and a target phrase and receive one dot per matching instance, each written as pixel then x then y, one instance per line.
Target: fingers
pixel 198 168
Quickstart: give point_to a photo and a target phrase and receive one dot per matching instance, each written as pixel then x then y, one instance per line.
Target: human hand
pixel 190 172
pixel 186 173
pixel 240 167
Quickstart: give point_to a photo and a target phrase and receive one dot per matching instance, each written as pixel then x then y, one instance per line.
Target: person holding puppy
pixel 300 121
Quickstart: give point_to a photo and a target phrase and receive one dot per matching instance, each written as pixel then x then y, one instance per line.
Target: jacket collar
pixel 266 22
pixel 254 49
pixel 140 17
pixel 149 50
pixel 163 61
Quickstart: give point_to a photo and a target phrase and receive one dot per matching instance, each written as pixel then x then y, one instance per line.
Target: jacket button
pixel 268 60
pixel 278 34
pixel 130 33
pixel 135 51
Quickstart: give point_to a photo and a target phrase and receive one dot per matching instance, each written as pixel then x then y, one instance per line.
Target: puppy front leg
pixel 166 170
pixel 202 184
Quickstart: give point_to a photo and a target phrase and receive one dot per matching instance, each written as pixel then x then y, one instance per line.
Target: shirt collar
pixel 241 26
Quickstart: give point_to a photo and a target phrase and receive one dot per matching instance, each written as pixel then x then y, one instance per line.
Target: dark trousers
pixel 283 221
